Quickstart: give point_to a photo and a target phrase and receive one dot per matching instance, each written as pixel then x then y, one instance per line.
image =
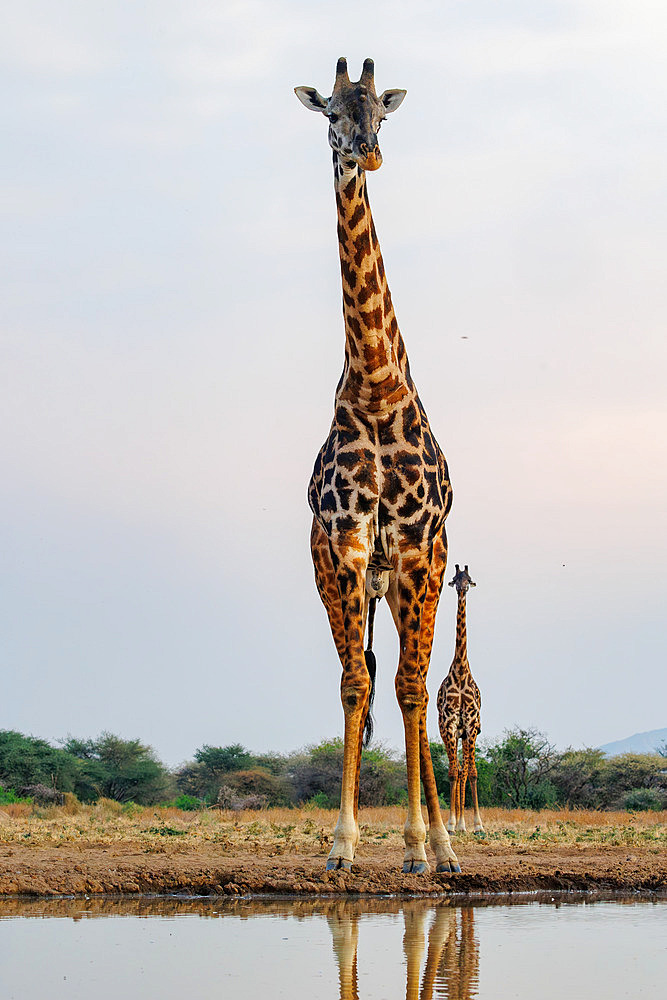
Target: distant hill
pixel 639 743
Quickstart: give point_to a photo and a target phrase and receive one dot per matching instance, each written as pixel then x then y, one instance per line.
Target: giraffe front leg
pixel 445 858
pixel 355 689
pixel 342 589
pixel 451 746
pixel 414 945
pixel 344 926
pixel 461 789
pixel 411 693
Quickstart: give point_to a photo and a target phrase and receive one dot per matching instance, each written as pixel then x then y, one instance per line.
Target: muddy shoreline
pixel 126 869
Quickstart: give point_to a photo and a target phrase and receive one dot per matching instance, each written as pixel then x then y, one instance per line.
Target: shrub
pixel 119 769
pixel 194 779
pixel 316 775
pixel 522 763
pixel 188 803
pixel 43 795
pixel 8 797
pixel 320 800
pixel 640 799
pixel 229 799
pixel 629 772
pixel 577 778
pixel 256 781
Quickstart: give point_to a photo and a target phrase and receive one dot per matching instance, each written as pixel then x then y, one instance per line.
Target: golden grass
pixel 275 831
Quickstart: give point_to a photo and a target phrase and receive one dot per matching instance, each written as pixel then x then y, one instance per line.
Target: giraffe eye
pixel 333 119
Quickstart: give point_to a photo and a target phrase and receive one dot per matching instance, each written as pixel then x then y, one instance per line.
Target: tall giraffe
pixel 380 489
pixel 459 708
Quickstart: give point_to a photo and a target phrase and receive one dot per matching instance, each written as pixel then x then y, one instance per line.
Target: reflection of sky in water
pixel 331 948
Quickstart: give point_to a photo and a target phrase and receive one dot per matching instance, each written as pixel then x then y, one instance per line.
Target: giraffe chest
pixel 381 475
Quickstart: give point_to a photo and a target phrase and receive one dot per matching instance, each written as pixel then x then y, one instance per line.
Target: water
pixel 331 948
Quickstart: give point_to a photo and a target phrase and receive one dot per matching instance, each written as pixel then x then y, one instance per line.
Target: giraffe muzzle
pixel 369 156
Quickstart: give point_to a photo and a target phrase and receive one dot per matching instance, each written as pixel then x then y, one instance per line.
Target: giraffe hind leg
pixel 478 827
pixel 463 777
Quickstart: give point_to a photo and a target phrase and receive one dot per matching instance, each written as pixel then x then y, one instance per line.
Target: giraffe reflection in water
pixel 443 933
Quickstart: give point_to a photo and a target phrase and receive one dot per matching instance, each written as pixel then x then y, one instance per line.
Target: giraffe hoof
pixel 416 868
pixel 335 864
pixel 447 867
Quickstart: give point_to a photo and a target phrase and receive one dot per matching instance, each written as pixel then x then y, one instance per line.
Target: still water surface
pixel 340 949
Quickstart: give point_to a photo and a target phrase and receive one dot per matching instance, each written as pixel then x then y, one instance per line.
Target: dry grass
pixel 275 831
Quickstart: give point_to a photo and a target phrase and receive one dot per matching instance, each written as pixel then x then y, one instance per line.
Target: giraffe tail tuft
pixel 371 667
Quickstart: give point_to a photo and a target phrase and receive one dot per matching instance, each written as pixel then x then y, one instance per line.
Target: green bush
pixel 629 772
pixel 319 769
pixel 8 797
pixel 188 803
pixel 320 800
pixel 521 766
pixel 642 799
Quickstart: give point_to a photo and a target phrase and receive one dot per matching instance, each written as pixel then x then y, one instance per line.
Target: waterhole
pixel 338 948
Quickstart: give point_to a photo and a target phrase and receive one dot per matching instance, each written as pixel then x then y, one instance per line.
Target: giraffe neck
pixel 461 653
pixel 376 375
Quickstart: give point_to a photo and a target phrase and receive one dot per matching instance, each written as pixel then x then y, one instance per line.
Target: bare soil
pixel 106 848
pixel 122 868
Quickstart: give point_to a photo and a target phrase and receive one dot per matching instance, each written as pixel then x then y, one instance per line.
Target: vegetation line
pixel 520 771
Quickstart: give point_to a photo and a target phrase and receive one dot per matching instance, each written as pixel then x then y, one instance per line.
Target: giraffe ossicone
pixel 459 717
pixel 380 489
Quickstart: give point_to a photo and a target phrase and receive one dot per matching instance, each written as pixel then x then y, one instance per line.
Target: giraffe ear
pixel 310 98
pixel 392 99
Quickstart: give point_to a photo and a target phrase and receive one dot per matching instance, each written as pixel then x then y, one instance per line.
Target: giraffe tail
pixel 371 667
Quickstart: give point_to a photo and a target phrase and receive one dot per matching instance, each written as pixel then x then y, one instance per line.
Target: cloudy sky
pixel 172 337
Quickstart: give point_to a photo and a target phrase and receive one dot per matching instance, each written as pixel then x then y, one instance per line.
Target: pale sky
pixel 172 337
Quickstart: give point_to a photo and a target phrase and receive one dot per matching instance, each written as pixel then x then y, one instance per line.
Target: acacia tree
pixel 125 770
pixel 26 760
pixel 522 764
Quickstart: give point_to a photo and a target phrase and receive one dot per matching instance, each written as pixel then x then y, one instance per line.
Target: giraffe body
pixel 380 489
pixel 459 717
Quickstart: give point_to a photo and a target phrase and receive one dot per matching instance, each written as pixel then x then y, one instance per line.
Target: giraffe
pixel 380 489
pixel 451 968
pixel 459 706
pixel 458 974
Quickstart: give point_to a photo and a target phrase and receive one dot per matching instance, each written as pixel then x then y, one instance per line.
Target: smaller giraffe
pixel 459 707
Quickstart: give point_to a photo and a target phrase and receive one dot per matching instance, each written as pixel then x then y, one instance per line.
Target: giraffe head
pixel 462 580
pixel 355 114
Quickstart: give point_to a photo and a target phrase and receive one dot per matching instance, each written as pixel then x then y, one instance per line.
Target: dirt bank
pixel 205 870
